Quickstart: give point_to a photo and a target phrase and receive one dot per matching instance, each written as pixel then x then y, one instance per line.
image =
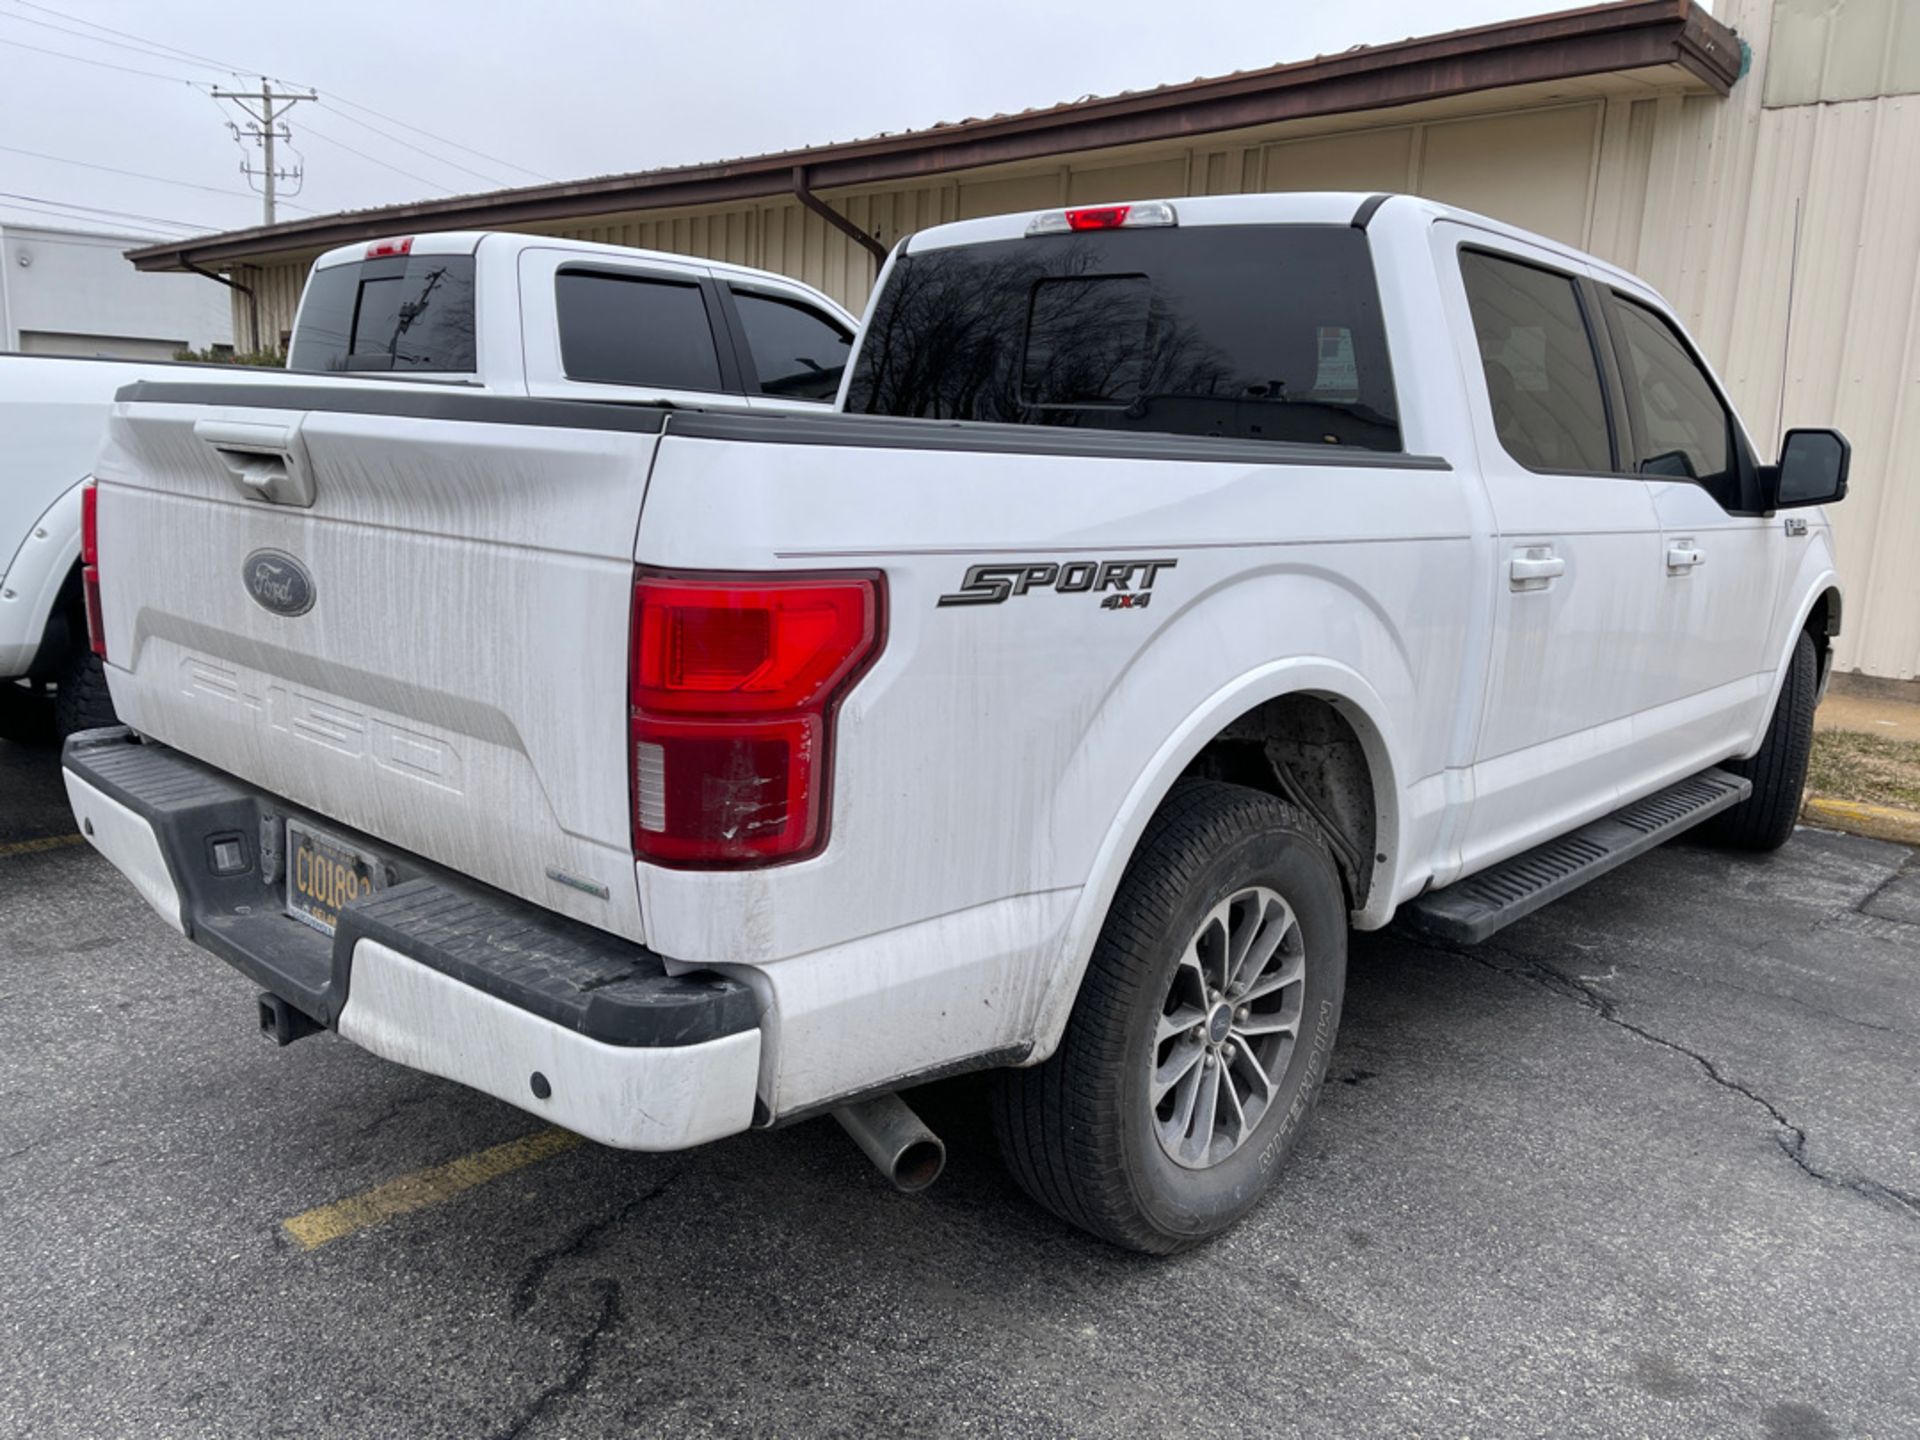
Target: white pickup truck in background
pixel 1184 584
pixel 506 314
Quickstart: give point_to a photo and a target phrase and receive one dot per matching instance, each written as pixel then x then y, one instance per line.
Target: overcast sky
pixel 572 88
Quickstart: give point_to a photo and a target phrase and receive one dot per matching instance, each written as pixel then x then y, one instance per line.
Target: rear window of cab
pixel 1258 332
pixel 401 312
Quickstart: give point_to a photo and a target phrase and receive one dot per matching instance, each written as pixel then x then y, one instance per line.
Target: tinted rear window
pixel 412 312
pixel 1269 332
pixel 623 330
pixel 798 352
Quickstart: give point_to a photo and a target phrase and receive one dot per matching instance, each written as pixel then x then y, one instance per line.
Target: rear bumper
pixel 433 972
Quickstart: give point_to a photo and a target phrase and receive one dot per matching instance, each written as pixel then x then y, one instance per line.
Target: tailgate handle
pixel 264 462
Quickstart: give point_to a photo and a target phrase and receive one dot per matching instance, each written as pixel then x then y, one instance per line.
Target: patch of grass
pixel 1871 769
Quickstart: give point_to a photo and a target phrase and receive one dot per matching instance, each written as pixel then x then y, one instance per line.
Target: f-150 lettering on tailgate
pixel 325 721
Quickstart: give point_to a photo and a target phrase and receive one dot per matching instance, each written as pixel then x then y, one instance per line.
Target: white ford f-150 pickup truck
pixel 508 314
pixel 1182 584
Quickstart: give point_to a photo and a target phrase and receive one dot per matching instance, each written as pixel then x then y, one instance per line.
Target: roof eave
pixel 1636 35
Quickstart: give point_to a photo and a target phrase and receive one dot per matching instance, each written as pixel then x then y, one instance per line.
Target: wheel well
pixel 66 627
pixel 1303 750
pixel 1823 623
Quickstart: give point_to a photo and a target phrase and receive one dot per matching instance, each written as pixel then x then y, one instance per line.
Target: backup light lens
pixel 1142 214
pixel 733 686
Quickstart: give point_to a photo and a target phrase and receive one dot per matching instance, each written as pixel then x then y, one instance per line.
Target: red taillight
pixel 381 248
pixel 733 687
pixel 90 567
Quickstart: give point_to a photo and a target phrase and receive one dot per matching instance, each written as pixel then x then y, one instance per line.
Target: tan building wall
pixel 1649 169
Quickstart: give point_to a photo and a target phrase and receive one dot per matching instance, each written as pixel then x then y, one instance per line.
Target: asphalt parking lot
pixel 1648 1164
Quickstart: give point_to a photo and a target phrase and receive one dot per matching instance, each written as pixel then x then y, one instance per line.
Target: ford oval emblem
pixel 278 582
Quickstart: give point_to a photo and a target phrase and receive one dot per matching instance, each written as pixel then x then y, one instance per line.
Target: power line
pixel 396 140
pixel 375 159
pixel 98 210
pixel 142 49
pixel 103 64
pixel 340 99
pixel 337 99
pixel 44 213
pixel 160 50
pixel 134 174
pixel 125 35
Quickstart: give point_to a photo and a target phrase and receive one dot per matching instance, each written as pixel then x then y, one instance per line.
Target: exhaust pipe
pixel 896 1140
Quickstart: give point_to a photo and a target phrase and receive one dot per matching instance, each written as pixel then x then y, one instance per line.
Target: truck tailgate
pixel 432 652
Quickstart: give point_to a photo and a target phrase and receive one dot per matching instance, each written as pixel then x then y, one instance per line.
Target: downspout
pixel 834 218
pixel 253 300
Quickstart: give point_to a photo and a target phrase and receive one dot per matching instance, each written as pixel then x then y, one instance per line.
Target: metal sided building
pixel 1759 166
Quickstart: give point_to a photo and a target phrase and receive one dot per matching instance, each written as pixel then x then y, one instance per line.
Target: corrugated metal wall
pixel 1725 180
pixel 1694 192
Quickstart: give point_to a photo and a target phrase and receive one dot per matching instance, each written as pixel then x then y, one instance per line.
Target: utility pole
pixel 265 128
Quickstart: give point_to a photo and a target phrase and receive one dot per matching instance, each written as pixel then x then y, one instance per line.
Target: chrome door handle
pixel 1683 557
pixel 1533 567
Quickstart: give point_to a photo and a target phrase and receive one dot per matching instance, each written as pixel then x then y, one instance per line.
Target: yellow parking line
pixel 422 1188
pixel 43 842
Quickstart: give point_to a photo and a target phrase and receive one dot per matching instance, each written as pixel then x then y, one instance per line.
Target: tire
pixel 1778 769
pixel 1081 1132
pixel 81 702
pixel 26 713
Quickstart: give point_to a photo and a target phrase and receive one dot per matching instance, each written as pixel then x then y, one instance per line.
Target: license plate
pixel 323 875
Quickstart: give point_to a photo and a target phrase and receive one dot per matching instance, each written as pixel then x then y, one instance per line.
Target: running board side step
pixel 1468 911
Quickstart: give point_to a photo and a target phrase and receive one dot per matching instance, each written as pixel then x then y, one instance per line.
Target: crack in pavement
pixel 579 1369
pixel 1718 983
pixel 1899 873
pixel 1792 1138
pixel 527 1289
pixel 394 1112
pixel 586 1350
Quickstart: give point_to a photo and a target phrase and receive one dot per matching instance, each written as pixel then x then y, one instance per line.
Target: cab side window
pixel 631 330
pixel 1543 377
pixel 798 353
pixel 1682 431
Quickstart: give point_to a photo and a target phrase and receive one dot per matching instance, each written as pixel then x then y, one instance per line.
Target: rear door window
pixel 635 330
pixel 1542 371
pixel 402 312
pixel 798 353
pixel 1263 332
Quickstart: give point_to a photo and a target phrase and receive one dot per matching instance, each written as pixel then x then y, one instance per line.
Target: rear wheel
pixel 1197 1046
pixel 81 702
pixel 1778 769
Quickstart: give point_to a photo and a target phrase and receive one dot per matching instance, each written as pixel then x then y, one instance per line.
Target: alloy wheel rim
pixel 1227 1028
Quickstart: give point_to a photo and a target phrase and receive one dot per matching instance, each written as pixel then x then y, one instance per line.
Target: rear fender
pixel 1327 679
pixel 31 588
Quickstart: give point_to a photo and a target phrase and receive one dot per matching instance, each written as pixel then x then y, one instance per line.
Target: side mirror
pixel 1812 470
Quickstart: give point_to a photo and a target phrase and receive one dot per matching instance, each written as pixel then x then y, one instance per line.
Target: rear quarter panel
pixel 997 759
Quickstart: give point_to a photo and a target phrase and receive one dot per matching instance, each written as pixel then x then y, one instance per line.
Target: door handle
pixel 263 461
pixel 1534 567
pixel 1683 557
